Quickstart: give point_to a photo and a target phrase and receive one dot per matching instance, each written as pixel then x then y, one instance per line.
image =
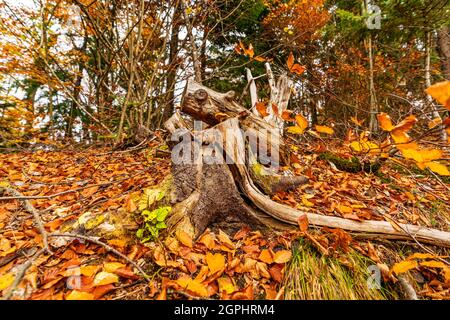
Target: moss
pixel 263 178
pixel 353 165
pixel 94 222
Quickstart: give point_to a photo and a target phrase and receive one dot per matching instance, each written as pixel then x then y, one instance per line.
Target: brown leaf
pixel 276 271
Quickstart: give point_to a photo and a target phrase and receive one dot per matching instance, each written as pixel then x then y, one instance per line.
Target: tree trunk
pixel 444 50
pixel 212 180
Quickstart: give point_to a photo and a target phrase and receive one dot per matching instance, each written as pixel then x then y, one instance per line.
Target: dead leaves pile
pixel 415 199
pixel 247 266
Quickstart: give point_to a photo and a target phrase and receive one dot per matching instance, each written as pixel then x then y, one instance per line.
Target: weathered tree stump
pixel 216 182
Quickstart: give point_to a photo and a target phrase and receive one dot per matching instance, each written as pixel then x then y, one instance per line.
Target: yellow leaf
pixel 441 92
pixel 401 137
pixel 295 130
pixel 433 264
pixel 404 266
pixel 324 129
pixel 215 262
pixel 265 256
pixel 193 285
pixel 184 238
pixel 282 256
pixel 344 209
pixel 103 278
pixel 89 271
pixel 438 168
pixel 78 295
pixel 425 155
pixel 301 122
pixel 6 280
pixel 226 284
pixel 421 256
pixel 112 266
pixel 306 202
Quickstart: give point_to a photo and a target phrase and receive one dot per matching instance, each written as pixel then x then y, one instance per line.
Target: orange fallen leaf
pixel 265 256
pixel 184 238
pixel 282 256
pixel 303 222
pixel 404 266
pixel 215 262
pixel 324 129
pixel 196 287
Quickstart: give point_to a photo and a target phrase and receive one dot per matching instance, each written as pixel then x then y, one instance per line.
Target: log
pixel 228 191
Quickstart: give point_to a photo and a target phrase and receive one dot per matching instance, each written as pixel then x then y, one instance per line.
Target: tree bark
pixel 444 50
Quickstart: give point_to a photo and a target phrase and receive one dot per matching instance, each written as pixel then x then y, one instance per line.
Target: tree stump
pixel 213 181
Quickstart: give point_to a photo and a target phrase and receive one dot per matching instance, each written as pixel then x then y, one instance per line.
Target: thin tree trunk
pixel 443 45
pixel 435 112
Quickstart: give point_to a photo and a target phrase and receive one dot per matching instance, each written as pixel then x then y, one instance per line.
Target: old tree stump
pixel 221 173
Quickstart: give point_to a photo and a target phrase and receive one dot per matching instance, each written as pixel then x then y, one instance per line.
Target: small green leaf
pixel 161 225
pixel 140 233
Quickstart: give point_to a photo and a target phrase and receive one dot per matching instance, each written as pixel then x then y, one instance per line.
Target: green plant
pixel 154 221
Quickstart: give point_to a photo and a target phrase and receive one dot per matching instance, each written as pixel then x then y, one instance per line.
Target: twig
pixel 104 245
pixel 21 273
pixel 409 290
pixel 104 184
pixel 37 218
pixel 439 180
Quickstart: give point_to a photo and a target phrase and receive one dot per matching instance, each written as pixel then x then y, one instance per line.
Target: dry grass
pixel 311 276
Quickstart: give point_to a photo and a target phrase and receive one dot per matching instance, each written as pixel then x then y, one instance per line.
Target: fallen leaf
pixel 78 295
pixel 216 263
pixel 441 92
pixel 226 284
pixel 196 287
pixel 6 280
pixel 404 266
pixel 184 238
pixel 303 222
pixel 265 256
pixel 324 129
pixel 282 256
pixel 104 278
pixel 89 271
pixel 112 266
pixel 261 107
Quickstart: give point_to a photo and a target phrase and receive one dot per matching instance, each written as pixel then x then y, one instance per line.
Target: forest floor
pixel 95 193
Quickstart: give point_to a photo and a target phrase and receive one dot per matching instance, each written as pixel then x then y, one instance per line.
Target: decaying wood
pixel 225 182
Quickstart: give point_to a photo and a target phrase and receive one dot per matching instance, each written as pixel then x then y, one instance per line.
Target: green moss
pixel 262 178
pixel 353 165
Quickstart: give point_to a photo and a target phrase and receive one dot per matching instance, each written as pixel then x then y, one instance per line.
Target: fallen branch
pixel 104 245
pixel 29 207
pixel 21 273
pixel 104 184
